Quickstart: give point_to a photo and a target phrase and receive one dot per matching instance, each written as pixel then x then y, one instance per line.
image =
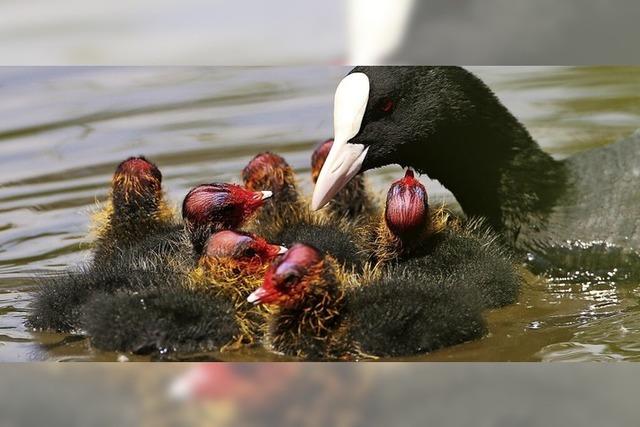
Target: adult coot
pixel 445 122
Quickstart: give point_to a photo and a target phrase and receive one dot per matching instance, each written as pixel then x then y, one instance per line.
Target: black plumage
pixel 326 237
pixel 476 255
pixel 158 320
pixel 58 302
pixel 323 312
pixel 410 311
pixel 447 123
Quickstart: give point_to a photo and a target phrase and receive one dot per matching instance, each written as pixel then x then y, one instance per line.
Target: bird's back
pixel 595 222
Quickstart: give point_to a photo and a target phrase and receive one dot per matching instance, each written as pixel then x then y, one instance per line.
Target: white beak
pixel 266 194
pixel 255 296
pixel 344 160
pixel 283 249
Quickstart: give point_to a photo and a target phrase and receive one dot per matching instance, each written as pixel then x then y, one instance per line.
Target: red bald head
pixel 139 168
pixel 214 207
pixel 407 208
pixel 268 171
pixel 220 206
pixel 289 278
pixel 241 247
pixel 136 183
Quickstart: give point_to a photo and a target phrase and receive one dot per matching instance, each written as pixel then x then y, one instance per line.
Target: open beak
pixel 282 250
pixel 344 160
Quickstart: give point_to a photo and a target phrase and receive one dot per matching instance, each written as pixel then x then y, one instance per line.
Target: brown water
pixel 63 130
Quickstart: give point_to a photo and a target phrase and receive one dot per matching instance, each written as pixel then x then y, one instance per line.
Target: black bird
pixel 163 318
pixel 136 210
pixel 321 313
pixel 59 299
pixel 445 122
pixel 161 253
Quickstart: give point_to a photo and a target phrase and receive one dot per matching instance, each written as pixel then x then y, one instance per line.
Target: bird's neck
pixel 198 235
pixel 136 218
pixel 499 172
pixel 306 330
pixel 384 246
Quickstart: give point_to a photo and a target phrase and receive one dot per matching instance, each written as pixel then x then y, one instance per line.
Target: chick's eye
pixel 386 105
pixel 249 253
pixel 289 280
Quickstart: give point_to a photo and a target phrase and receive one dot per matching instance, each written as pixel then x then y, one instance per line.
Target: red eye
pixel 386 105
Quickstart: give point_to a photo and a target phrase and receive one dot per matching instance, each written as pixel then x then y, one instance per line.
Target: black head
pixel 390 115
pixel 427 118
pixel 407 106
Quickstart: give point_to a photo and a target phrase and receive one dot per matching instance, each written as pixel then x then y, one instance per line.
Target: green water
pixel 63 130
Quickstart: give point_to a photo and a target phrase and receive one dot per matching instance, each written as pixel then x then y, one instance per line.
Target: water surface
pixel 63 131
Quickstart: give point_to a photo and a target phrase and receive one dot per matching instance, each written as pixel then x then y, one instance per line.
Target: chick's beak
pixel 264 195
pixel 258 296
pixel 275 250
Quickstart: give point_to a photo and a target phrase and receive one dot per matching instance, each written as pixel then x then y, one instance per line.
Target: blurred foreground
pixel 287 394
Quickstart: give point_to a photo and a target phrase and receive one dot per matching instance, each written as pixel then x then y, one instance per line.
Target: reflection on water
pixel 63 130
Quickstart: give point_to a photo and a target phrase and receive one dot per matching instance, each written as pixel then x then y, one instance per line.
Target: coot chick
pixel 136 209
pixel 207 208
pixel 353 202
pixel 421 238
pixel 271 172
pixel 166 253
pixel 159 320
pixel 233 266
pixel 204 311
pixel 213 207
pixel 445 122
pixel 409 227
pixel 321 313
pixel 286 218
pixel 57 303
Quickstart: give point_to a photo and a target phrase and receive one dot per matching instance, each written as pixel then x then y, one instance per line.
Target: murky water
pixel 63 130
